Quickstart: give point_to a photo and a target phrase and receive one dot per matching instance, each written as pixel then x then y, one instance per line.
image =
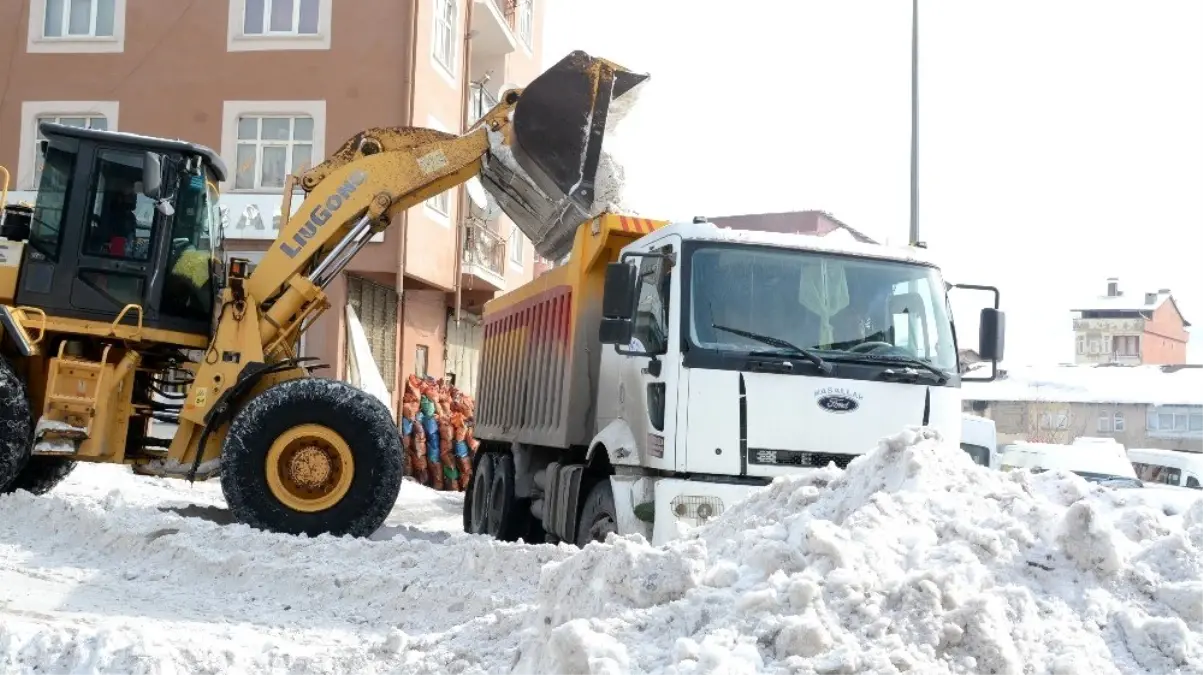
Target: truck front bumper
pixel 685 504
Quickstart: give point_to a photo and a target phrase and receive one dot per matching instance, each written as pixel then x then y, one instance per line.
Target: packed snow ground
pixel 913 560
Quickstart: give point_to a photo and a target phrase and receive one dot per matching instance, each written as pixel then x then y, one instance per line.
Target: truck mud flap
pixel 545 175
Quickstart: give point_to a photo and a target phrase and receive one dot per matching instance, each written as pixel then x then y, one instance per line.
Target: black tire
pixel 476 505
pixel 363 423
pixel 505 520
pixel 43 473
pixel 598 515
pixel 16 428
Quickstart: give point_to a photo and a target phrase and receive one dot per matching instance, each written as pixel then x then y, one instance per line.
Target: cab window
pixel 120 217
pixel 188 292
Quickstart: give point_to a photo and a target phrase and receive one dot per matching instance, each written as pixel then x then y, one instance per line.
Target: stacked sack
pixel 436 432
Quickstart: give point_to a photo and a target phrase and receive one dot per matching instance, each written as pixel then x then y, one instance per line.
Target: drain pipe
pixel 462 207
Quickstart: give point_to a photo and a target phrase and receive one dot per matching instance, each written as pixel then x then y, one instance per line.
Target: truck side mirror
pixel 152 175
pixel 618 304
pixel 992 329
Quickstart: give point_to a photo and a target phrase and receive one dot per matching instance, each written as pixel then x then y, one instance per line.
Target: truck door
pixel 651 378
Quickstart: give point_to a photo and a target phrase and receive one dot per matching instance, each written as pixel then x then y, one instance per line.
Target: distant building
pixel 1141 329
pixel 1138 406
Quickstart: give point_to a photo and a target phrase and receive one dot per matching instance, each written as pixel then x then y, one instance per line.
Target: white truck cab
pixel 739 356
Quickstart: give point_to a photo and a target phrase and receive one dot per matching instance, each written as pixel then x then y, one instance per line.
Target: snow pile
pixel 912 560
pixel 113 573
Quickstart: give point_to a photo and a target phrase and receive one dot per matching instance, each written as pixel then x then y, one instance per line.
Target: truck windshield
pixel 839 306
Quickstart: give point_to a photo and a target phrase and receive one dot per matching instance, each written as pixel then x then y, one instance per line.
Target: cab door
pixel 117 244
pixel 650 384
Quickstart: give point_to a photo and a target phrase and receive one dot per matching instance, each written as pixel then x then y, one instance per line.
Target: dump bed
pixel 539 364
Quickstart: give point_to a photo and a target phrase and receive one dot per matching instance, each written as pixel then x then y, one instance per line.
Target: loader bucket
pixel 547 178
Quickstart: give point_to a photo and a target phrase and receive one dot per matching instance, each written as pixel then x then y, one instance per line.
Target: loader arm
pixel 537 152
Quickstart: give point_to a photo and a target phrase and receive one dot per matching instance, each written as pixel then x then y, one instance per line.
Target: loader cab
pixel 122 219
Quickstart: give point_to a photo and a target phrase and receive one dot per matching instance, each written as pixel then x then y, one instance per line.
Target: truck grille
pixel 812 460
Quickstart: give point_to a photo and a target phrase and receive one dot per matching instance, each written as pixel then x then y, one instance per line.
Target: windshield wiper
pixel 912 361
pixel 771 341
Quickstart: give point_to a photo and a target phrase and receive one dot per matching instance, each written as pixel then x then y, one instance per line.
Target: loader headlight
pixel 695 509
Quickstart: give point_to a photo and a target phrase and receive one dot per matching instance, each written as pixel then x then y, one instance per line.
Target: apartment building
pixel 275 85
pixel 1144 328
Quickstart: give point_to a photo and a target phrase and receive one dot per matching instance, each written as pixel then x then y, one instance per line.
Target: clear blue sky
pixel 1061 141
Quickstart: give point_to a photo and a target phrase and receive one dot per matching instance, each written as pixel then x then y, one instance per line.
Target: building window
pixel 420 358
pixel 280 17
pixel 526 21
pixel 1104 425
pixel 440 203
pixel 1054 421
pixel 270 148
pixel 265 141
pixel 446 16
pixel 79 18
pixel 96 114
pixel 273 25
pixel 1176 422
pixel 516 246
pixel 1118 422
pixel 83 121
pixel 1125 345
pixel 76 26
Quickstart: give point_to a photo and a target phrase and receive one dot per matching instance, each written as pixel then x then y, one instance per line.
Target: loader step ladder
pixel 73 387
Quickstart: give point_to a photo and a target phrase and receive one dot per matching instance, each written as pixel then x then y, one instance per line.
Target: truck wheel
pixel 598 516
pixel 312 456
pixel 16 428
pixel 43 473
pixel 476 497
pixel 505 521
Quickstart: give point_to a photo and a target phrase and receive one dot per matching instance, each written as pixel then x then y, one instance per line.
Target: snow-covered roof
pixel 843 244
pixel 1157 385
pixel 1135 302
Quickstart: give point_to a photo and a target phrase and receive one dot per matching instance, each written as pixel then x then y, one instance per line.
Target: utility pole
pixel 914 237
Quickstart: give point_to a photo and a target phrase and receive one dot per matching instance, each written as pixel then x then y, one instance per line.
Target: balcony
pixel 484 259
pixel 482 102
pixel 493 27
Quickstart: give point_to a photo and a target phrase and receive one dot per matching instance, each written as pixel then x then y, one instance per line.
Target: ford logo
pixel 838 404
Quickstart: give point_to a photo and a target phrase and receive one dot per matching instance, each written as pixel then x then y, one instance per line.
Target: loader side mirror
pixel 992 334
pixel 618 304
pixel 152 175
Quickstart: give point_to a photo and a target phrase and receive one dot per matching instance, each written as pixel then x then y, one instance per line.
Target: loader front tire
pixel 16 428
pixel 43 473
pixel 312 456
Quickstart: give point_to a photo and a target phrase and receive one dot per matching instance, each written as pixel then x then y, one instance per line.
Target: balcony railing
pixel 507 8
pixel 485 248
pixel 482 102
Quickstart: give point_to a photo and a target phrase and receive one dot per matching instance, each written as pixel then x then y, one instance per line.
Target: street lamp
pixel 914 237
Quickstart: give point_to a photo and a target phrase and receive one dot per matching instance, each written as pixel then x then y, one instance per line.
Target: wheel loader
pixel 116 310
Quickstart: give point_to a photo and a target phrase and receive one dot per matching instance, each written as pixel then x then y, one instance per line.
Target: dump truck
pixel 116 309
pixel 669 369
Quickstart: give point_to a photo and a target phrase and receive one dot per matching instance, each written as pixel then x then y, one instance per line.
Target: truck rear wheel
pixel 598 516
pixel 16 428
pixel 312 456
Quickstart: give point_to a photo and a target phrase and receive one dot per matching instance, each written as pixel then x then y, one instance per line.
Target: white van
pixel 979 438
pixel 1171 467
pixel 1096 462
